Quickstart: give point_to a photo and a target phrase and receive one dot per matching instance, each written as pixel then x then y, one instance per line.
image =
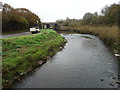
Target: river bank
pixel 85 62
pixel 109 35
pixel 21 55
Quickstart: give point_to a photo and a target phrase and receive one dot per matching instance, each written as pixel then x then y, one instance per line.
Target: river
pixel 85 62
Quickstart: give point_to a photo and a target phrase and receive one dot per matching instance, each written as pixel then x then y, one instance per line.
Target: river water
pixel 84 62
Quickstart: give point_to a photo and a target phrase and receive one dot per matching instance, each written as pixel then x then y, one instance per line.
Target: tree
pixel 32 18
pixel 7 8
pixel 112 14
pixel 17 19
pixel 88 19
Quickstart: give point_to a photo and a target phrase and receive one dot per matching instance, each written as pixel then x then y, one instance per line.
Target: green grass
pixel 22 54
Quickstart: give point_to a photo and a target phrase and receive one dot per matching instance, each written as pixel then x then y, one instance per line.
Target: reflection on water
pixel 83 63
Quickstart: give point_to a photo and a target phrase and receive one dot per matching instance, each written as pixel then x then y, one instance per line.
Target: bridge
pixel 51 25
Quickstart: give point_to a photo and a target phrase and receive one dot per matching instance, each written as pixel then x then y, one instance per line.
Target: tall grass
pixel 109 35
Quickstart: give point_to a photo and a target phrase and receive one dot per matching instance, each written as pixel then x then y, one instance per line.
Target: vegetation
pixel 106 25
pixel 18 19
pixel 23 54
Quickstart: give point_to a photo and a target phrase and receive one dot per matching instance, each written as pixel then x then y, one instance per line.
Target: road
pixel 15 35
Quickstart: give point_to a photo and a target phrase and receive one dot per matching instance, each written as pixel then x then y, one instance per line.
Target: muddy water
pixel 83 63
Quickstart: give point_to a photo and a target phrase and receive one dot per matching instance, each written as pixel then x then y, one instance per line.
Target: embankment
pixel 22 55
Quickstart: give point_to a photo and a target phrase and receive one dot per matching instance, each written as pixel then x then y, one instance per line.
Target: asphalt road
pixel 15 35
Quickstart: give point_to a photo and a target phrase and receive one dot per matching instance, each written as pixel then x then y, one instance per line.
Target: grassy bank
pixel 23 54
pixel 109 35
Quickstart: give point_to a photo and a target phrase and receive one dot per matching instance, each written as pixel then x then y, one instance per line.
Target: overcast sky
pixel 52 10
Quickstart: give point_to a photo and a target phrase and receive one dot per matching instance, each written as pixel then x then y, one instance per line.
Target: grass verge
pixel 22 55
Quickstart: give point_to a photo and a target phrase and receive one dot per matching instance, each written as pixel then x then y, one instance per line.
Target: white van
pixel 34 30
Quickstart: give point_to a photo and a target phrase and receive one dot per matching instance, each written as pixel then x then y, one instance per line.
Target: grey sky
pixel 52 10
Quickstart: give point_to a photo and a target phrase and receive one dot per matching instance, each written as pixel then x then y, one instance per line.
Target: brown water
pixel 84 62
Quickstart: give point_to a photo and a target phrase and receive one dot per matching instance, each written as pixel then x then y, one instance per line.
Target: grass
pixel 109 35
pixel 22 54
